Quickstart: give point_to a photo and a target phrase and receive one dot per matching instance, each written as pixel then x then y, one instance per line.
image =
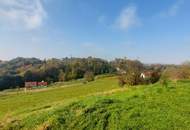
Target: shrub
pixel 130 79
pixel 121 80
pixel 89 76
pixel 177 73
pixel 61 76
pixel 133 79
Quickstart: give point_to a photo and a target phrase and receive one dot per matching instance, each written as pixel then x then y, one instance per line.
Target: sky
pixel 153 31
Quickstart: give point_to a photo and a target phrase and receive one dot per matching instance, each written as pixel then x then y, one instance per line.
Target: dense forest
pixel 14 73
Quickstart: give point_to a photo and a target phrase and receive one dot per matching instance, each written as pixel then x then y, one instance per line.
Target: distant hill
pixel 19 62
pixel 15 72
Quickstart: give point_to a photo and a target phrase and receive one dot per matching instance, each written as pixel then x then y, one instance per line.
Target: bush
pixel 121 81
pixel 89 76
pixel 133 79
pixel 130 79
pixel 177 73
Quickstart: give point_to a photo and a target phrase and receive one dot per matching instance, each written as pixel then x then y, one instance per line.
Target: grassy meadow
pixel 18 103
pixel 98 105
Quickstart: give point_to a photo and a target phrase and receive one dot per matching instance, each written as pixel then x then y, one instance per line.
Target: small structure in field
pixel 146 74
pixel 32 85
pixel 42 84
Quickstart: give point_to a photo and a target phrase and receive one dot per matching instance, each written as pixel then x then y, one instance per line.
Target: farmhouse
pixel 30 85
pixel 146 74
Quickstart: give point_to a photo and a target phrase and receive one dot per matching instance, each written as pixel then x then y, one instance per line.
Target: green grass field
pixel 99 105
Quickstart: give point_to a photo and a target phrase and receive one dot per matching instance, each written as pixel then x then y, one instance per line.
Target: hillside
pixel 103 106
pixel 14 73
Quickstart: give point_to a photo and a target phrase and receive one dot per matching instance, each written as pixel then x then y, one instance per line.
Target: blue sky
pixel 153 31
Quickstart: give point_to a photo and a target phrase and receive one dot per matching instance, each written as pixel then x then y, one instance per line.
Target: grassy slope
pixel 18 104
pixel 146 107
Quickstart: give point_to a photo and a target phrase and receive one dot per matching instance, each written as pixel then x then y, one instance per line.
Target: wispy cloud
pixel 26 13
pixel 173 9
pixel 128 18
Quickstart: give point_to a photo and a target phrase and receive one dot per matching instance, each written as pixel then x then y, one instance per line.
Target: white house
pixel 143 75
pixel 146 74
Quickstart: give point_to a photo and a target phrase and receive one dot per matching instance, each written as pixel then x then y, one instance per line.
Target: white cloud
pixel 173 9
pixel 26 13
pixel 128 18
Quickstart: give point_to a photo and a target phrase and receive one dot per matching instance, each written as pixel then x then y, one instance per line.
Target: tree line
pixel 14 73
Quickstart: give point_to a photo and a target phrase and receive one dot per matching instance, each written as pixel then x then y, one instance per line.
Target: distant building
pixel 30 85
pixel 146 74
pixel 42 83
